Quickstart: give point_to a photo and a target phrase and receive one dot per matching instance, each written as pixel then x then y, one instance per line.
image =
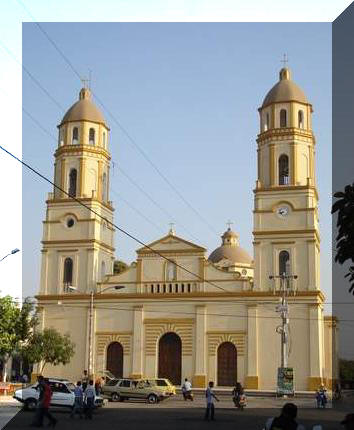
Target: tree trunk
pixel 4 371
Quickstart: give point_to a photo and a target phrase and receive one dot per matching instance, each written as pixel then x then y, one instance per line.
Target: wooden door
pixel 170 358
pixel 227 365
pixel 115 359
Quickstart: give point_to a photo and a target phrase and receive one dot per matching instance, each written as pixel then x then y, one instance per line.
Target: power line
pixel 170 217
pixel 7 50
pixel 122 128
pixel 190 313
pixel 121 198
pixel 162 209
pixel 109 222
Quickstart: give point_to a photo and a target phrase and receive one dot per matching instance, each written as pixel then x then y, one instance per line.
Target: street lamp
pixel 14 251
pixel 115 287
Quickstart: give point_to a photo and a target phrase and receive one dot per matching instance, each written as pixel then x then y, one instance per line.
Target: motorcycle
pixel 240 401
pixel 188 395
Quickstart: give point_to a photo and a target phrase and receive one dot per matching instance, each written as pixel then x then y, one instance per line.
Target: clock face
pixel 282 211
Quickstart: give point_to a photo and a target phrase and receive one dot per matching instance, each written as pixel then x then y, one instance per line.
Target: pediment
pixel 171 243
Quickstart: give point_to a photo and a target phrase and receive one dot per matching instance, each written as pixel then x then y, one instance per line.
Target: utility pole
pixel 283 310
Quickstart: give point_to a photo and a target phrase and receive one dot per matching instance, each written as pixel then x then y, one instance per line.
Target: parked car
pixel 124 389
pixel 107 375
pixel 166 384
pixel 63 395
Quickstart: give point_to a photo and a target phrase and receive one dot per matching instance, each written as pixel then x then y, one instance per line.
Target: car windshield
pixel 109 374
pixel 161 383
pixel 112 382
pixel 71 386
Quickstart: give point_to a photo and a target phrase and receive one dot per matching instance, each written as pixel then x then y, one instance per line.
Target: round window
pixel 70 222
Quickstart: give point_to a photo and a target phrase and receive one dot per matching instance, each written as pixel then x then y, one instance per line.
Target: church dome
pixel 230 250
pixel 84 110
pixel 285 90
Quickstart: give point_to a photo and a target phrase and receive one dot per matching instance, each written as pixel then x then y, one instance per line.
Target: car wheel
pixel 152 398
pixel 115 397
pixel 30 404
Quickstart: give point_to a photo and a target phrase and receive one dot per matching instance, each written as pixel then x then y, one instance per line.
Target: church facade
pixel 176 312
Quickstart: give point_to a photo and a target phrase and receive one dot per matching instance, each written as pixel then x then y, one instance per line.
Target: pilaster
pixel 251 380
pixel 272 164
pixel 199 378
pixel 137 353
pixel 316 357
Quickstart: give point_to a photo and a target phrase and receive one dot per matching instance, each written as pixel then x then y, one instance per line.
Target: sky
pixel 186 95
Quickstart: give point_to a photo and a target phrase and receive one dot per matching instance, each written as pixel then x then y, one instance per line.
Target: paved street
pixel 175 414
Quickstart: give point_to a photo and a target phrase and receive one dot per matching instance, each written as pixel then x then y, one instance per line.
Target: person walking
pixel 210 396
pixel 89 400
pixel 37 420
pixel 187 390
pixel 286 419
pixel 44 403
pixel 84 380
pixel 78 402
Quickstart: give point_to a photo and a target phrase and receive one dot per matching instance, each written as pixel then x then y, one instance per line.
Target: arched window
pixel 266 122
pixel 103 270
pixel 104 139
pixel 72 182
pixel 284 263
pixel 75 139
pixel 283 170
pixel 104 187
pixel 68 271
pixel 61 139
pixel 300 117
pixel 92 136
pixel 283 118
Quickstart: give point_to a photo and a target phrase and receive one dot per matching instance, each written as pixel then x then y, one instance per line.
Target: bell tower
pixel 286 232
pixel 77 245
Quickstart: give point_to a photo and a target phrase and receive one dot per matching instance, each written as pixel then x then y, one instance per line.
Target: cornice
pixel 80 150
pixel 121 297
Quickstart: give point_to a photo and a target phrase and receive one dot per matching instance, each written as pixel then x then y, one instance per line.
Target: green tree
pixel 119 267
pixel 16 325
pixel 50 347
pixel 344 207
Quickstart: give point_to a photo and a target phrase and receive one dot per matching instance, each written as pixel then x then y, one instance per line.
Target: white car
pixel 63 395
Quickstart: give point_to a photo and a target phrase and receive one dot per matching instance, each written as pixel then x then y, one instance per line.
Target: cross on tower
pixel 85 82
pixel 172 230
pixel 284 60
pixel 229 224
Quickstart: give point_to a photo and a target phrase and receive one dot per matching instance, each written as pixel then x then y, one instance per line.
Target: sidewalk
pixel 9 401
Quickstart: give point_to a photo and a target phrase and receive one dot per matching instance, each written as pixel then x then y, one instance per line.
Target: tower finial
pixel 172 230
pixel 229 224
pixel 85 82
pixel 284 60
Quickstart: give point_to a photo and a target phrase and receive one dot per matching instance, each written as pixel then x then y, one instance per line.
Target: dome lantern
pixel 231 251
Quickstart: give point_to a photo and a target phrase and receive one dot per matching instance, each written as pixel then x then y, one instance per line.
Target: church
pixel 178 311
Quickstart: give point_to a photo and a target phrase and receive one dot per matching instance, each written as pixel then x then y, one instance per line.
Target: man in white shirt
pixel 89 400
pixel 210 396
pixel 187 390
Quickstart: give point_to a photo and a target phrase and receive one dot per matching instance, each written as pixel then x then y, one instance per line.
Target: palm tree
pixel 345 223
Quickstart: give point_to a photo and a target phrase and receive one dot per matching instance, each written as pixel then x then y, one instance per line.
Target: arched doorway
pixel 115 359
pixel 227 365
pixel 170 358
